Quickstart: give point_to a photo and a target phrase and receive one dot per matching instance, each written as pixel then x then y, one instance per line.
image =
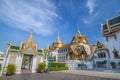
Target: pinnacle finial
pixel 78 33
pixel 30 35
pixel 58 37
pixel 31 31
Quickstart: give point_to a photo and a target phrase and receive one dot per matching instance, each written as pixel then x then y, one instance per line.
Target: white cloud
pixel 23 14
pixel 90 4
pixel 85 21
pixel 90 20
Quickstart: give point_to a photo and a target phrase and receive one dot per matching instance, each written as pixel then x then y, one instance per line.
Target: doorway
pixel 27 63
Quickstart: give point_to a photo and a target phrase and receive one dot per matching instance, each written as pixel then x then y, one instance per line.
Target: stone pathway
pixel 61 75
pixel 94 73
pixel 106 70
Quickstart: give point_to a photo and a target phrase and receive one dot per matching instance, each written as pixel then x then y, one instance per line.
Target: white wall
pixel 114 43
pixel 73 65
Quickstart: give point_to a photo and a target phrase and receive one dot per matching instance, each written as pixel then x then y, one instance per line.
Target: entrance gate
pixel 27 62
pixel 15 55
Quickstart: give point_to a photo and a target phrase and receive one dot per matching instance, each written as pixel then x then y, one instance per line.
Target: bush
pixel 41 67
pixel 119 63
pixel 10 69
pixel 104 62
pixel 82 66
pixel 58 68
pixel 113 64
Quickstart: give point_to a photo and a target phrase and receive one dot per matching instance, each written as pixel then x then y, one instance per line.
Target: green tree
pixel 25 59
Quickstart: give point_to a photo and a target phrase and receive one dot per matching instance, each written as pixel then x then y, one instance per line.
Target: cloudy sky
pixel 47 18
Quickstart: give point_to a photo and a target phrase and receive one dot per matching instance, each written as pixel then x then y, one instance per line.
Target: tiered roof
pixel 111 26
pixel 58 43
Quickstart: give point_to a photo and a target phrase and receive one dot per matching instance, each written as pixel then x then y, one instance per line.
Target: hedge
pixel 54 64
pixel 58 68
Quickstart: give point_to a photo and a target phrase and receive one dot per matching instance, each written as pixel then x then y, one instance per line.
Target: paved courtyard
pixel 52 76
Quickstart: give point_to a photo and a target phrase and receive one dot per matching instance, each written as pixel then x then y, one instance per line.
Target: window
pixel 99 55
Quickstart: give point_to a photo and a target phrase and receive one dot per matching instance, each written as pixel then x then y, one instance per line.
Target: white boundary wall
pixel 73 64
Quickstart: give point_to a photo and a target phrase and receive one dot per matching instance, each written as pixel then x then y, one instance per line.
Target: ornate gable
pixel 29 45
pixel 77 53
pixel 29 50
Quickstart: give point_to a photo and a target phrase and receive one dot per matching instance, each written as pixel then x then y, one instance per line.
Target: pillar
pixel 34 66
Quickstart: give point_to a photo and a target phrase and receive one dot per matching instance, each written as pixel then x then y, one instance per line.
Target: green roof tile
pixel 114 20
pixel 39 50
pixel 14 47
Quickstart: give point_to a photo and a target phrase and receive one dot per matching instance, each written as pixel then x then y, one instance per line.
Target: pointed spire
pixel 58 43
pixel 58 38
pixel 30 43
pixel 30 39
pixel 78 33
pixel 30 36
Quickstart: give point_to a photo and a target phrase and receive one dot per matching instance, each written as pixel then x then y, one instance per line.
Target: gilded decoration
pixel 115 52
pixel 29 43
pixel 77 53
pixel 79 38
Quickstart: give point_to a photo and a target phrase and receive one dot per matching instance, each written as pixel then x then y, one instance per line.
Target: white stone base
pixel 33 71
pixel 18 72
pixel 73 65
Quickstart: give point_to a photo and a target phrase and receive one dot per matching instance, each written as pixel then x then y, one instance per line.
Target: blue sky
pixel 51 17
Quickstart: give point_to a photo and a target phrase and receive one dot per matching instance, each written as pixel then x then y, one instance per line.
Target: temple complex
pixel 77 49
